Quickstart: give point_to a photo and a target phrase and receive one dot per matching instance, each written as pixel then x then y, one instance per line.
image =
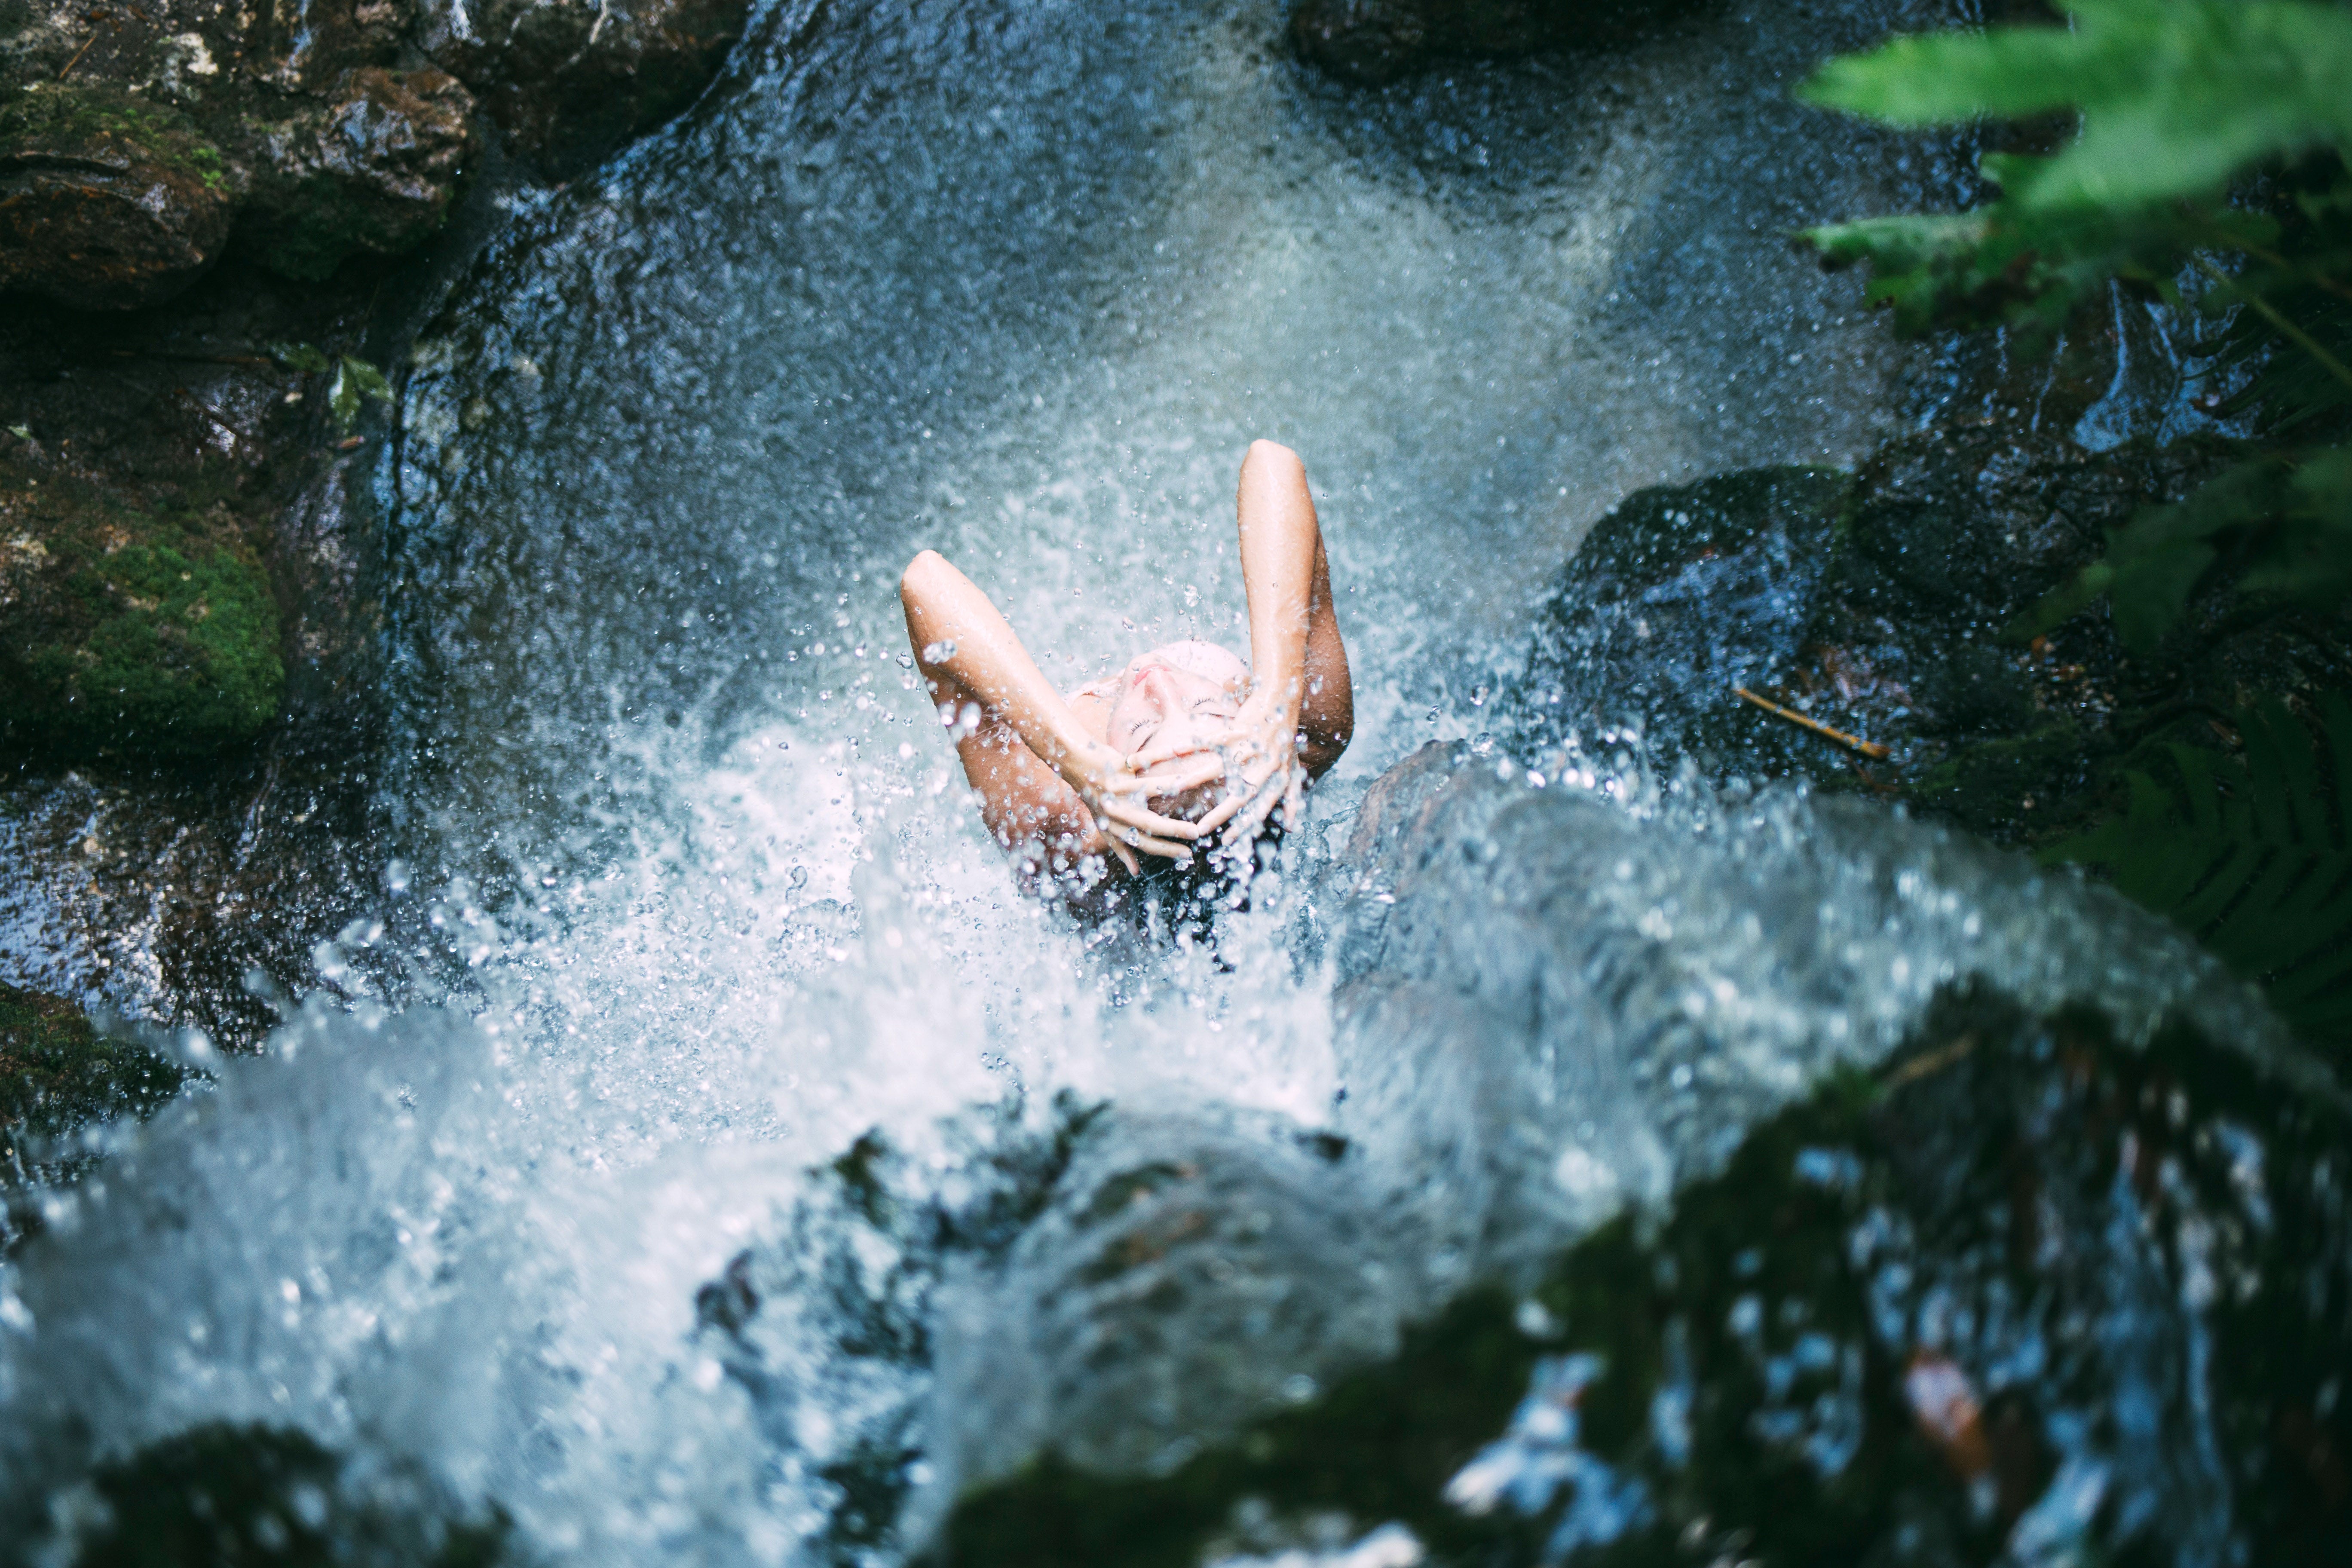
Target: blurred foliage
pixel 2207 168
pixel 2254 854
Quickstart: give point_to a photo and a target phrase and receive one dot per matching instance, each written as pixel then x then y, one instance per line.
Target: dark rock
pixel 2027 1291
pixel 123 631
pixel 1679 595
pixel 1369 42
pixel 372 168
pixel 58 1074
pixel 1877 606
pixel 222 1493
pixel 107 201
pixel 570 79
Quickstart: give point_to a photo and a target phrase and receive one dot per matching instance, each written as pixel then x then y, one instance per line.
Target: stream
pixel 686 1160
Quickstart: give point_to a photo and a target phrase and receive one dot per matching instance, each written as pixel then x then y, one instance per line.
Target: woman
pixel 1070 781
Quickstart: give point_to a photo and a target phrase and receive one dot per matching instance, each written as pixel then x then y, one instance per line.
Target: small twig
pixel 79 53
pixel 1852 742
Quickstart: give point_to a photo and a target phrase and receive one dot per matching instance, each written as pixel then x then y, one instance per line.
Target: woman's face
pixel 1186 693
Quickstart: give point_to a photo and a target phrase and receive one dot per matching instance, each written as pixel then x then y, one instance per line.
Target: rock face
pixel 1369 42
pixel 1876 604
pixel 137 144
pixel 123 632
pixel 107 201
pixel 570 79
pixel 372 168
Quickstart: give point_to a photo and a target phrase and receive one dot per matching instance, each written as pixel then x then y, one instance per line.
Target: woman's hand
pixel 1115 787
pixel 1260 754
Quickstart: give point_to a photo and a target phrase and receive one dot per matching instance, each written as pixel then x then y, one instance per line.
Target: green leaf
pixel 355 379
pixel 2175 96
pixel 300 356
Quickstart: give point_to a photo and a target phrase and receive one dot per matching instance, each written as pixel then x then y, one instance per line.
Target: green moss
pixel 69 116
pixel 127 633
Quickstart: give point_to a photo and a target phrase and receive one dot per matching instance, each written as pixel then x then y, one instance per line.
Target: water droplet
pixel 1433 715
pixel 798 879
pixel 1478 697
pixel 941 651
pixel 1192 595
pixel 905 661
pixel 784 746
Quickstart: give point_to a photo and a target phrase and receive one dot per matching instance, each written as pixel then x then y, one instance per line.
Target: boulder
pixel 1897 1325
pixel 122 631
pixel 570 79
pixel 1369 42
pixel 372 168
pixel 108 201
pixel 1878 605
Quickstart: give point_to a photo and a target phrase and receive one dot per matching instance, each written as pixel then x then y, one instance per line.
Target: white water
pixel 680 846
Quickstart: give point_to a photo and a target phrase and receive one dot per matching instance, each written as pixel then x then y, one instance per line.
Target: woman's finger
pixel 1224 808
pixel 1136 817
pixel 1126 855
pixel 1161 750
pixel 1192 776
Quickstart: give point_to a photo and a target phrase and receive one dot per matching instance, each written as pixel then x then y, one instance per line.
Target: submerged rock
pixel 107 201
pixel 1372 41
pixel 2026 1292
pixel 122 631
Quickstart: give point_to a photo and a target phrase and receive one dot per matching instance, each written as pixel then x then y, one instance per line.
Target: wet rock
pixel 122 631
pixel 1191 1270
pixel 2025 1293
pixel 58 1074
pixel 1878 606
pixel 1676 597
pixel 570 79
pixel 107 201
pixel 1369 42
pixel 373 168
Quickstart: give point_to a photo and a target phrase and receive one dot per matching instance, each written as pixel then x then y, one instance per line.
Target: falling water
pixel 687 928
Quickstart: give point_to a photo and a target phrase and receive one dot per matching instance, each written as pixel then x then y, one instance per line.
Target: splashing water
pixel 688 907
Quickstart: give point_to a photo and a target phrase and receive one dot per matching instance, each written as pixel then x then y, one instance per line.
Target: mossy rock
pixel 1909 1317
pixel 106 201
pixel 58 1073
pixel 125 632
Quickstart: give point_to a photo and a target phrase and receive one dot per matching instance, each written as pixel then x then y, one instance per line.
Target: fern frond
pixel 2251 855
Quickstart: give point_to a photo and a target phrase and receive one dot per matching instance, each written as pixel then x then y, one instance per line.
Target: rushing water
pixel 682 901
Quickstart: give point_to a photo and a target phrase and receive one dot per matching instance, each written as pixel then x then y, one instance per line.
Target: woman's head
pixel 1185 693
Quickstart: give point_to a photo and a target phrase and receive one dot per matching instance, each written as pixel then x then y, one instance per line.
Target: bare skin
pixel 1187 743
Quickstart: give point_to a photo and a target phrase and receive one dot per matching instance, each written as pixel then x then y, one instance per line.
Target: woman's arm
pixel 1301 709
pixel 1039 774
